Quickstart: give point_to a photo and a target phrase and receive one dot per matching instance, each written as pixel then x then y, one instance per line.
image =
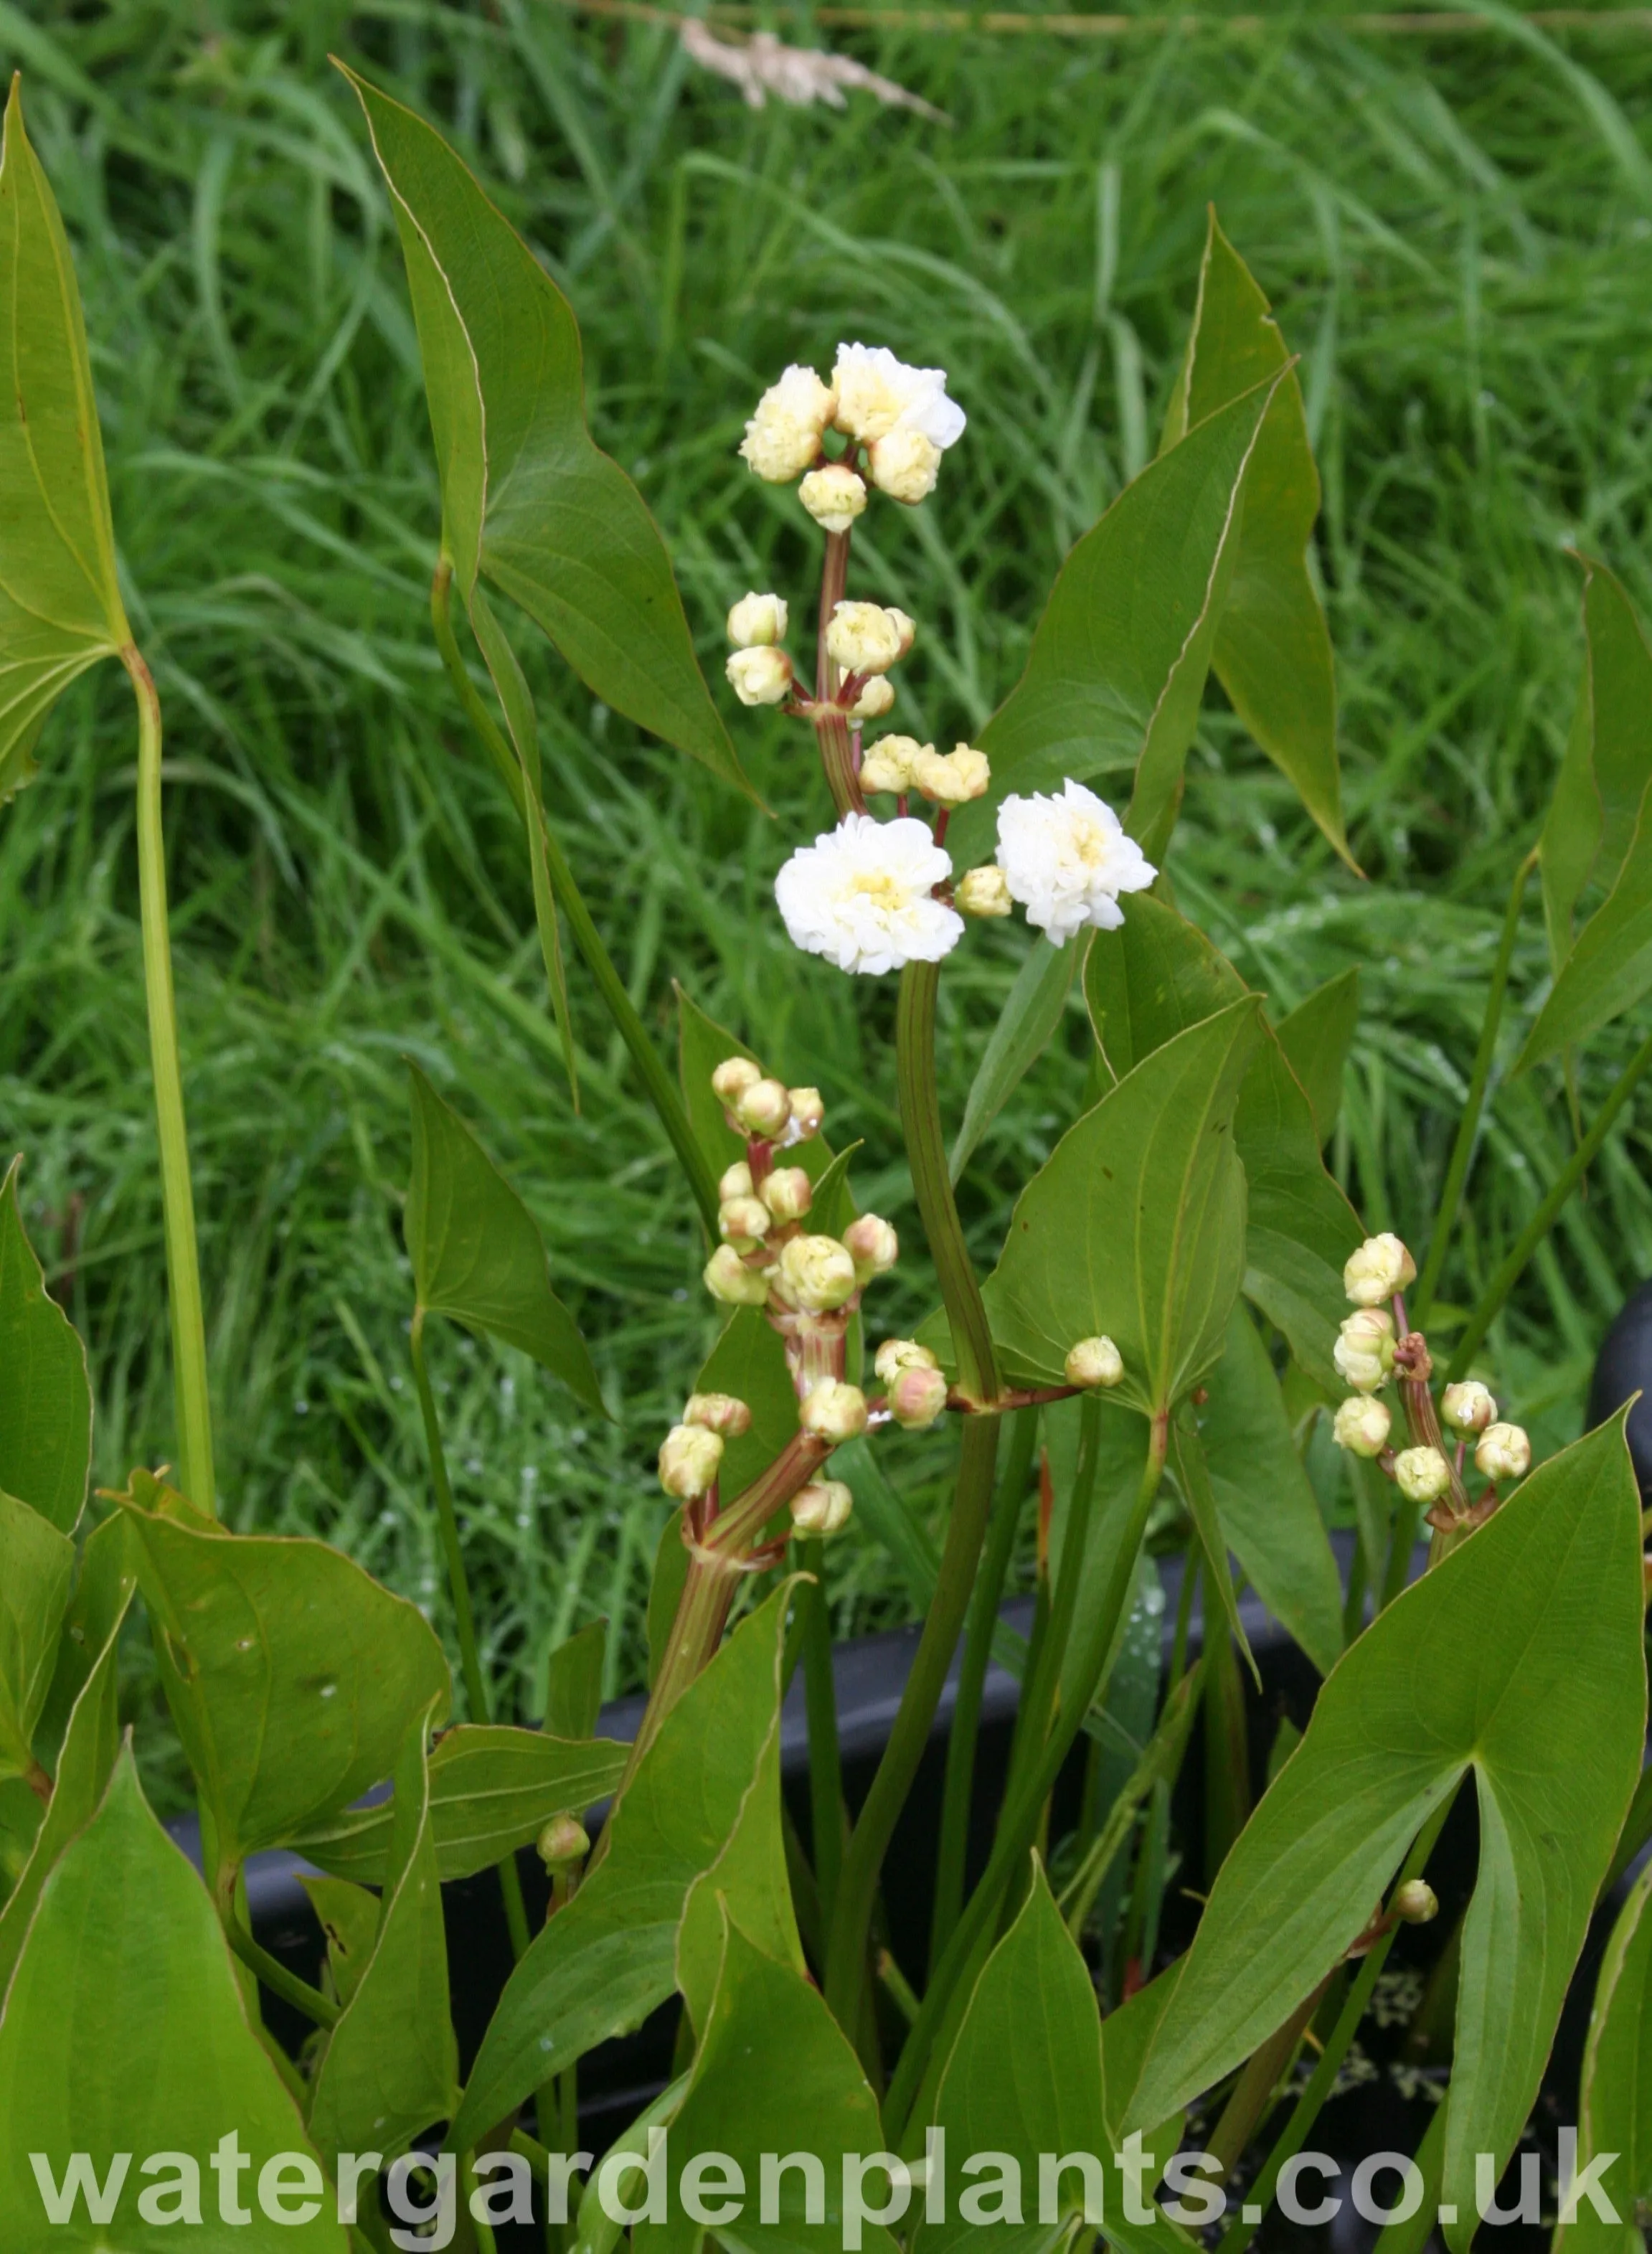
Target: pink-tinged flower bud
pixel 1424 1475
pixel 763 1109
pixel 757 621
pixel 1468 1407
pixel 1504 1453
pixel 1416 1903
pixel 762 675
pixel 874 700
pixel 734 1181
pixel 1093 1362
pixel 809 1109
pixel 822 1506
pixel 952 778
pixel 833 1411
pixel 863 637
pixel 743 1221
pixel 815 1274
pixel 787 1193
pixel 896 1354
pixel 688 1458
pixel 731 1079
pixel 563 1841
pixel 1381 1267
pixel 1362 1425
pixel 983 891
pixel 873 1245
pixel 728 1279
pixel 917 1397
pixel 889 764
pixel 1364 1350
pixel 718 1413
pixel 834 496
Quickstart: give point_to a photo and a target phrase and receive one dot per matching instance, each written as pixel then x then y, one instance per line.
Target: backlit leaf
pixel 125 2032
pixel 477 1252
pixel 1519 1659
pixel 60 608
pixel 292 1674
pixel 390 2067
pixel 1118 662
pixel 1135 1226
pixel 529 502
pixel 604 1962
pixel 492 1788
pixel 1273 651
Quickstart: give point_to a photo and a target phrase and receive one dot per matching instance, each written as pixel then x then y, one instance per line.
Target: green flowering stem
pixel 177 1201
pixel 971 1504
pixel 660 1088
pixel 464 1611
pixel 1017 1826
pixel 972 1675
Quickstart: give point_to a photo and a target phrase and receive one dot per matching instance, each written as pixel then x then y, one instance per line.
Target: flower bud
pixel 735 1181
pixel 761 676
pixel 808 1111
pixel 1093 1362
pixel 1468 1407
pixel 822 1506
pixel 757 620
pixel 896 1354
pixel 874 700
pixel 917 1397
pixel 904 465
pixel 1504 1453
pixel 763 1109
pixel 834 496
pixel 787 1193
pixel 728 1279
pixel 730 1081
pixel 564 1841
pixel 718 1413
pixel 983 892
pixel 783 437
pixel 743 1221
pixel 873 1245
pixel 1424 1475
pixel 891 763
pixel 1364 1350
pixel 1381 1267
pixel 1362 1425
pixel 905 628
pixel 954 778
pixel 1416 1903
pixel 834 1412
pixel 688 1458
pixel 863 637
pixel 817 1273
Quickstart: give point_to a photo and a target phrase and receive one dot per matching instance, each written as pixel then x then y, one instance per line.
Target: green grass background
pixel 1457 233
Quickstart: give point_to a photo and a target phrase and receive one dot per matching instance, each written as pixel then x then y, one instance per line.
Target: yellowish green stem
pixel 177 1202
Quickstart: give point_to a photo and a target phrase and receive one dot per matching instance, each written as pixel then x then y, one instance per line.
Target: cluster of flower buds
pixel 897 421
pixel 899 766
pixel 691 1454
pixel 1368 1354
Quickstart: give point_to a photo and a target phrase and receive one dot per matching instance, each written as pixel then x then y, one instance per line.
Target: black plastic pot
pixel 1622 1369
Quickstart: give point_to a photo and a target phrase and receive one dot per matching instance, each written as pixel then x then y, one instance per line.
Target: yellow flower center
pixel 881 889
